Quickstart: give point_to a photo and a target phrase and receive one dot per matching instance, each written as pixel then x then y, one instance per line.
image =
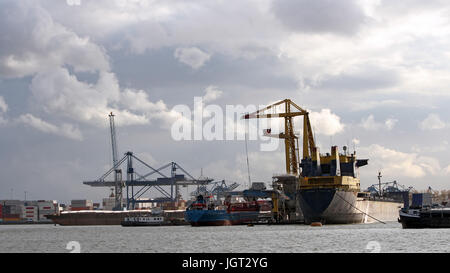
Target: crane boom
pixel 290 140
pixel 117 172
pixel 113 138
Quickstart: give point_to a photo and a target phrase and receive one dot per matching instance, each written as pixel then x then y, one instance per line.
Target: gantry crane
pixel 141 182
pixel 290 139
pixel 118 183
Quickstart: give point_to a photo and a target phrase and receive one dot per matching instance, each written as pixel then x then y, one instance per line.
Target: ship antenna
pixel 379 182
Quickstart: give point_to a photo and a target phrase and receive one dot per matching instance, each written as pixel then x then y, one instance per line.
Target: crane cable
pixel 358 209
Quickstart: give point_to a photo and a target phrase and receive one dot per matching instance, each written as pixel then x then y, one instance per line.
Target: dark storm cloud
pixel 322 16
pixel 162 76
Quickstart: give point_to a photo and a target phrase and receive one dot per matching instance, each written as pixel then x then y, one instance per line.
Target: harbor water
pixel 355 238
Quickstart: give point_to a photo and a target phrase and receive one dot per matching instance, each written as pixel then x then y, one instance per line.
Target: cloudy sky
pixel 374 74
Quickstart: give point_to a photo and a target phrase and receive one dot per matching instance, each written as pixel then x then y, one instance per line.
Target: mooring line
pixel 358 209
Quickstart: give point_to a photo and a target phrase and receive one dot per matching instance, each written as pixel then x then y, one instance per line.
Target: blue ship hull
pixel 219 217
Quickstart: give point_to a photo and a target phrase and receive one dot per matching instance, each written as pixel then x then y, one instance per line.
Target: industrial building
pixel 35 211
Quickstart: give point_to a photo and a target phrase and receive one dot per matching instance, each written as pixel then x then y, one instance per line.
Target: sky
pixel 373 74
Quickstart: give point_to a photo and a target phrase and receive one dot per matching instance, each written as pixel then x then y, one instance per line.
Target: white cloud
pixel 3 109
pixel 36 43
pixel 222 27
pixel 3 105
pixel 211 94
pixel 38 46
pixel 61 93
pixel 399 59
pixel 390 123
pixel 192 56
pixel 138 100
pixel 326 123
pixel 446 170
pixel 436 147
pixel 395 163
pixel 65 130
pixel 370 124
pixel 420 69
pixel 432 122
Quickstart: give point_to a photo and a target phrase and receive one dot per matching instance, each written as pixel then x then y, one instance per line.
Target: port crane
pixel 136 184
pixel 387 187
pixel 291 110
pixel 118 183
pixel 216 188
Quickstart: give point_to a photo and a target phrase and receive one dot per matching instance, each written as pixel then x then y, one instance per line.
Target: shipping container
pixel 30 213
pixel 81 203
pixel 9 215
pixel 421 199
pixel 49 204
pixel 11 202
pixel 81 208
pixel 8 219
pixel 6 209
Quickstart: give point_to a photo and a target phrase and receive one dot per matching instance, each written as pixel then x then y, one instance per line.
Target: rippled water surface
pixel 378 237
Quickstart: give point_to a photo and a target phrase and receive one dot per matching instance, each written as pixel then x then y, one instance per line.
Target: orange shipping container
pixel 11 219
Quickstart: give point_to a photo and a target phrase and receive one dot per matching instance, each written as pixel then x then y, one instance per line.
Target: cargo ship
pixel 102 217
pixel 205 213
pixel 423 214
pixel 329 192
pixel 328 185
pixel 143 221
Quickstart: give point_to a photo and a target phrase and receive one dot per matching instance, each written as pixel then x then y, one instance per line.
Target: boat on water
pixel 102 217
pixel 425 218
pixel 329 191
pixel 327 185
pixel 423 214
pixel 203 212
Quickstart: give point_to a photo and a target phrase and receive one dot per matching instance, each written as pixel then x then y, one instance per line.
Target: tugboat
pixel 203 212
pixel 422 214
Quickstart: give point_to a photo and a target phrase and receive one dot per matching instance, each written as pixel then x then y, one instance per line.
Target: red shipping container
pixel 1 211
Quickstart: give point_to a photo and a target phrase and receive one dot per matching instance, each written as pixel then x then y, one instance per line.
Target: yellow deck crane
pixel 291 110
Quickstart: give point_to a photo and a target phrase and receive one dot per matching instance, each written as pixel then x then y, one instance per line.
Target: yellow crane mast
pixel 291 110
